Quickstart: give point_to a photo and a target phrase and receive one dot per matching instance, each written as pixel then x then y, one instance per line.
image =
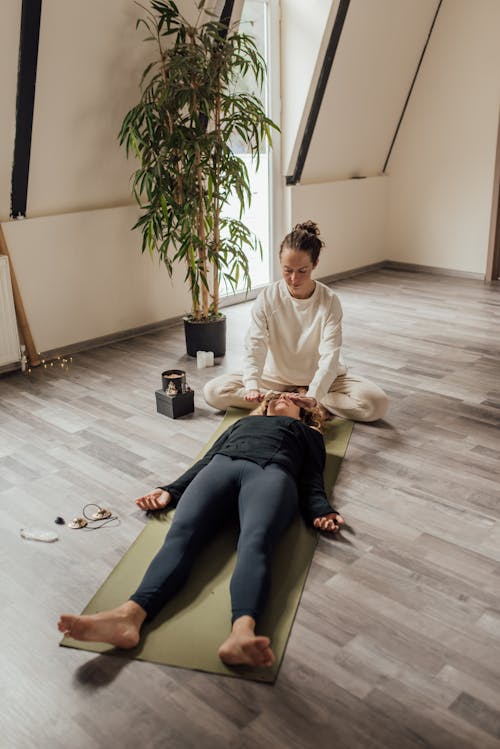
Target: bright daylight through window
pixel 255 21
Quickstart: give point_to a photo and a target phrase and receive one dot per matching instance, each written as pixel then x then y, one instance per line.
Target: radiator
pixel 9 338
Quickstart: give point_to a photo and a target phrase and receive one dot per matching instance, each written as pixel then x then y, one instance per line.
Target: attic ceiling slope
pixel 90 62
pixel 376 60
pixel 305 33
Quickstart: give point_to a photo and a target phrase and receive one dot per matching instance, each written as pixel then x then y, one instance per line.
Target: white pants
pixel 350 397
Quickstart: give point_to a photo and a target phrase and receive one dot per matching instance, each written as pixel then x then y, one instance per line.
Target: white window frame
pixel 275 178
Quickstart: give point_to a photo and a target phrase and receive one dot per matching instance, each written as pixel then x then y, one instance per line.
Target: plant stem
pixel 217 206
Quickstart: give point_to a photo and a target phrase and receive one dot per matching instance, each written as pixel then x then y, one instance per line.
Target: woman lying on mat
pixel 294 339
pixel 268 468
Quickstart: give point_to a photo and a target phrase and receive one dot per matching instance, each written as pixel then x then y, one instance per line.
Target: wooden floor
pixel 397 640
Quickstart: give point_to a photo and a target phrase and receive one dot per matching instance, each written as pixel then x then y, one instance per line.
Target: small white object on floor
pixel 204 359
pixel 33 534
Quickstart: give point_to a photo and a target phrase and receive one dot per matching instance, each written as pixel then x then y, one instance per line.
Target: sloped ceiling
pixel 89 64
pixel 90 60
pixel 376 60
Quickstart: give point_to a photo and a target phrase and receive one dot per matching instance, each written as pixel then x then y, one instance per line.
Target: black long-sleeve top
pixel 284 440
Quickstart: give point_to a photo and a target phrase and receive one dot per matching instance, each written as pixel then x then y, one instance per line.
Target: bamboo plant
pixel 190 111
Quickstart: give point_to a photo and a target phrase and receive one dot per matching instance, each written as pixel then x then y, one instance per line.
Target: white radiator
pixel 10 352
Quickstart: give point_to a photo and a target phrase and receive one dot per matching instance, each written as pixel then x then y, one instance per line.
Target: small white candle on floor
pixel 204 359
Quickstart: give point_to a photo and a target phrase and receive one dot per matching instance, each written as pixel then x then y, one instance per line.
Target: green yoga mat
pixel 190 628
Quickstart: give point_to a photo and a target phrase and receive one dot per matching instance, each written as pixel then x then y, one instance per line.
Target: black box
pixel 174 405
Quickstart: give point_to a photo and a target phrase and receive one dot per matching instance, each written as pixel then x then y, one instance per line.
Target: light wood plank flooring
pixel 397 640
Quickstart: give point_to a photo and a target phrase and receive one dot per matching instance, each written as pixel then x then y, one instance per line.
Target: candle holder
pixel 175 399
pixel 176 377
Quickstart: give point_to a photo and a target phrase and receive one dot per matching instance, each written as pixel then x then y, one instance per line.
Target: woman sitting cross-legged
pixel 269 467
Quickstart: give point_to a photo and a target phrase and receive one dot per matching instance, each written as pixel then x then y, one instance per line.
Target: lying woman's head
pixel 280 404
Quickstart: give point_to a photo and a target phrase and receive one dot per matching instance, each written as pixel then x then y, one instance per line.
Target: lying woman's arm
pixel 170 494
pixel 331 523
pixel 158 499
pixel 312 496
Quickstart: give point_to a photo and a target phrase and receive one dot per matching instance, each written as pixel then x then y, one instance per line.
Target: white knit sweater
pixel 294 341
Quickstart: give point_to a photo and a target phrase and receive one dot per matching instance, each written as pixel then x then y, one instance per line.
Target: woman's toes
pixel 65 623
pixel 262 642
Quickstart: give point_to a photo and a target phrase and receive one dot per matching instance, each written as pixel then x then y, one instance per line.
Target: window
pixel 257 20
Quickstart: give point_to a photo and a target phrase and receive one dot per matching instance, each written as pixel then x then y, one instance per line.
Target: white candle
pixel 204 359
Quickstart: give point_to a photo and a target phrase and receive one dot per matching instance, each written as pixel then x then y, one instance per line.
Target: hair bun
pixel 305 238
pixel 311 227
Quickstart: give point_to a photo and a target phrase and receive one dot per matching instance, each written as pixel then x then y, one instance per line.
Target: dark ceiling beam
pixel 412 86
pixel 227 12
pixel 25 102
pixel 225 20
pixel 330 53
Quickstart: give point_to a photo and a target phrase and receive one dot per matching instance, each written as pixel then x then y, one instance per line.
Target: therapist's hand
pixel 304 401
pixel 254 396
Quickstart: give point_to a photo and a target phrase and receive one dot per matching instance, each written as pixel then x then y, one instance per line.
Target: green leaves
pixel 189 114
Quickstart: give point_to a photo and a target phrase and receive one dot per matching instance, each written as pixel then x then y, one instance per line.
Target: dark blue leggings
pixel 267 502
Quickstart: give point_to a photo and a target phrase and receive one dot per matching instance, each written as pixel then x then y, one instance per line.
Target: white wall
pixel 305 30
pixel 374 65
pixel 351 216
pixel 82 276
pixel 90 59
pixel 441 171
pixel 79 267
pixel 90 62
pixel 362 103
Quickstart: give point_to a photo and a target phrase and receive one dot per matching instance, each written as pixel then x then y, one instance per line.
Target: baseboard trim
pixel 106 340
pixel 6 368
pixel 415 268
pixel 92 343
pixel 405 267
pixel 352 272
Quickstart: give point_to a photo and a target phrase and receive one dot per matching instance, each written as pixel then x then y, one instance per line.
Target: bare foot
pixel 246 648
pixel 119 627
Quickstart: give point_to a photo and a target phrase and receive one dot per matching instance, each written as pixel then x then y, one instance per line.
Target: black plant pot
pixel 206 336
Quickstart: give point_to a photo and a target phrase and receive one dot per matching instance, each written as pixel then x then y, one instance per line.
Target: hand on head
pixel 304 401
pixel 281 404
pixel 158 499
pixel 300 399
pixel 330 523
